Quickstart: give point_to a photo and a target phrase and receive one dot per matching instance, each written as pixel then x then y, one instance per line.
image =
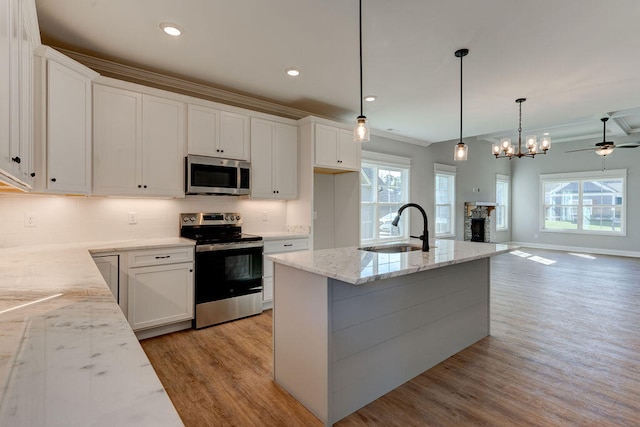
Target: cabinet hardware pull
pixel 16 159
pixel 139 186
pixel 191 270
pixel 32 174
pixel 144 186
pixel 53 180
pixel 288 244
pixel 163 257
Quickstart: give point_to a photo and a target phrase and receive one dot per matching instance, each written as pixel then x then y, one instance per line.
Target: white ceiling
pixel 574 60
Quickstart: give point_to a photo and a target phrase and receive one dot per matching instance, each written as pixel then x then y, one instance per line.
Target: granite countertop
pixel 67 353
pixel 356 266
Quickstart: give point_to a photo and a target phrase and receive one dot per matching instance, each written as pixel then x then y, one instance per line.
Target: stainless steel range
pixel 228 264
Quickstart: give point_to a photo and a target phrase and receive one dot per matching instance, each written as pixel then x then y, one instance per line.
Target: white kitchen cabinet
pixel 216 133
pixel 286 244
pixel 138 144
pixel 274 169
pixel 160 287
pixel 335 148
pixel 19 35
pixel 63 123
pixel 109 268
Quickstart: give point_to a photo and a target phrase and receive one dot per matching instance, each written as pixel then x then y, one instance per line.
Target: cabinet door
pixel 163 147
pixel 27 37
pixel 234 136
pixel 262 134
pixel 202 131
pixel 108 266
pixel 117 141
pixel 68 130
pixel 160 295
pixel 326 145
pixel 5 86
pixel 285 161
pixel 348 151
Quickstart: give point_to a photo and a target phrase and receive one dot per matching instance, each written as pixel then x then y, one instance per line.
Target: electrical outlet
pixel 29 220
pixel 133 218
pixel 265 215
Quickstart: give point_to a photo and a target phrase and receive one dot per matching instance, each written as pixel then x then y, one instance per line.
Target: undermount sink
pixel 391 249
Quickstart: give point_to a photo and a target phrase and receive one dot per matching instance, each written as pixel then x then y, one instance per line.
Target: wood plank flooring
pixel 564 350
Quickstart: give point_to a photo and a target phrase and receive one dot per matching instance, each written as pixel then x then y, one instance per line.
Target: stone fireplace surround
pixel 478 210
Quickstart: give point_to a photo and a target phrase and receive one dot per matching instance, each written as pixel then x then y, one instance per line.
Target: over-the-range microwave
pixel 211 175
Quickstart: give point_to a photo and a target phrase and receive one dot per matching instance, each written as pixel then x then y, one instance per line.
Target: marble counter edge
pixel 354 279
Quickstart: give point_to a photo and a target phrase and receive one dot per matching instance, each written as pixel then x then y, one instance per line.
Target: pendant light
pixel 361 129
pixel 461 149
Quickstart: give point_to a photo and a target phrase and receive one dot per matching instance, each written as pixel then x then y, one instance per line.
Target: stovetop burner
pixel 212 228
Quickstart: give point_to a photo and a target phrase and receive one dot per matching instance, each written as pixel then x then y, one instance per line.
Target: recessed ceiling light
pixel 171 29
pixel 292 72
pixel 370 98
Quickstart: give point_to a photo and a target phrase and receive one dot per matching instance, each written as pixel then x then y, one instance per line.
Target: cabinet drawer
pixel 160 256
pixel 288 245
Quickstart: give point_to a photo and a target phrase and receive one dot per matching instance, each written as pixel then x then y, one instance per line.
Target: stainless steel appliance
pixel 211 175
pixel 228 267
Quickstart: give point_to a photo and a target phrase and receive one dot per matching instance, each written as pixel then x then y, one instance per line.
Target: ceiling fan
pixel 605 147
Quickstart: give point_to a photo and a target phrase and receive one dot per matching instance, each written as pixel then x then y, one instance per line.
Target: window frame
pixel 504 179
pixel 580 178
pixel 449 171
pixel 391 162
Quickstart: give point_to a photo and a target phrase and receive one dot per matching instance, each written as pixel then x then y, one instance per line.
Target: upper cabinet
pixel 19 35
pixel 212 132
pixel 335 148
pixel 63 123
pixel 138 143
pixel 274 169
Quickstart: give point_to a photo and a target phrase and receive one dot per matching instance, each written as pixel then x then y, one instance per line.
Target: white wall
pixel 526 196
pixel 64 219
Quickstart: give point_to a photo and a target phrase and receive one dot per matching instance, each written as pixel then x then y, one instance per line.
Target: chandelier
pixel 507 150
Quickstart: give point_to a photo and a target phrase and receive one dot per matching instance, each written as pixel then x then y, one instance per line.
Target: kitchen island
pixel 351 325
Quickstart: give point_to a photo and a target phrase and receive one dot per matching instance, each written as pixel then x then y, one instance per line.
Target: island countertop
pixel 67 353
pixel 356 266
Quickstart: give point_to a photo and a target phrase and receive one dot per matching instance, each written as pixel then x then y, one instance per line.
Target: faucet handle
pixel 418 237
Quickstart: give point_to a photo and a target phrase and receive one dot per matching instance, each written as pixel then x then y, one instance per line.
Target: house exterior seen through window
pixel 585 202
pixel 384 188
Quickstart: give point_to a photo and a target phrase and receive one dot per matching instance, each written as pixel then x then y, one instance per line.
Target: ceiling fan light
pixel 604 151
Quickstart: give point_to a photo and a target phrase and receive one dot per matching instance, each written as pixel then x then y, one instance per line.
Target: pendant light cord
pixel 461 56
pixel 360 32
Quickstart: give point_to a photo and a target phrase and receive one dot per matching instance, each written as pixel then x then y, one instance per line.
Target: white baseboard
pixel 598 251
pixel 267 305
pixel 161 330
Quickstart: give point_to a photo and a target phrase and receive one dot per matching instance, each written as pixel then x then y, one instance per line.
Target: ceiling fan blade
pixel 629 145
pixel 583 149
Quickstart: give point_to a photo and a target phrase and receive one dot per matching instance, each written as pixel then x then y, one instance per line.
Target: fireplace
pixel 477 221
pixel 477 229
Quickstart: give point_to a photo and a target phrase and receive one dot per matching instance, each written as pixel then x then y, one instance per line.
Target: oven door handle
pixel 228 246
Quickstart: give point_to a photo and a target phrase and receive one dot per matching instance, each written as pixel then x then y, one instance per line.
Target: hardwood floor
pixel 564 350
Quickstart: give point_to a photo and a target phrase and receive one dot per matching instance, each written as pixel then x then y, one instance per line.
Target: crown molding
pixel 175 84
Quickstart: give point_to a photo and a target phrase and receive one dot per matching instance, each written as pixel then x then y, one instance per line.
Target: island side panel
pixel 301 328
pixel 387 332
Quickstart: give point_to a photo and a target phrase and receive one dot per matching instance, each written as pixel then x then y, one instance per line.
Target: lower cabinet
pixel 276 247
pixel 109 268
pixel 160 287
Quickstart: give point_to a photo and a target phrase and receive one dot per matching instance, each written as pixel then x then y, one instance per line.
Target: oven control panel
pixel 226 218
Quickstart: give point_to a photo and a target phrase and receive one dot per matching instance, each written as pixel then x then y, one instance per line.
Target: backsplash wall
pixel 66 219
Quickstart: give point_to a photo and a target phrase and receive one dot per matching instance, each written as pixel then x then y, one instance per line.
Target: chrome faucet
pixel 425 232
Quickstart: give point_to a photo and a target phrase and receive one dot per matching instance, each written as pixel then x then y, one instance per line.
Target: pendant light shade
pixel 361 129
pixel 461 150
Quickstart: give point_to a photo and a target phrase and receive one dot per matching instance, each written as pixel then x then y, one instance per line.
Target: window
pixel 502 202
pixel 384 187
pixel 445 200
pixel 585 202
